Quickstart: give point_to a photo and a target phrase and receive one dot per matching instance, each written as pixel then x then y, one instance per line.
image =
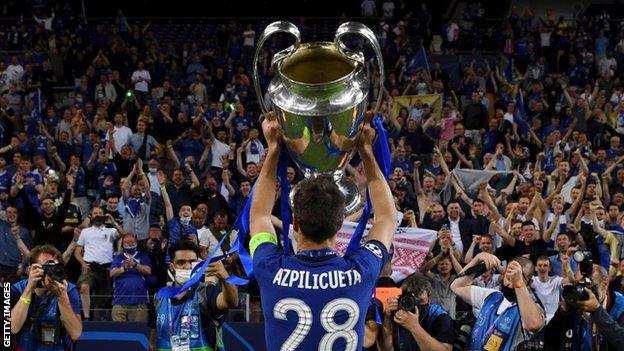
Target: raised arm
pixel 264 196
pixel 162 180
pixel 384 225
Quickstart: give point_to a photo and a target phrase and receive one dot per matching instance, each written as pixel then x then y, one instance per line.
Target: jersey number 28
pixel 334 331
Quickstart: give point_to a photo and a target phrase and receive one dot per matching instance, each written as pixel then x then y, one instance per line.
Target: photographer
pixel 586 320
pixel 45 308
pixel 414 321
pixel 505 317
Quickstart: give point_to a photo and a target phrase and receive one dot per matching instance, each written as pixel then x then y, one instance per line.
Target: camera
pixel 408 302
pixel 576 292
pixel 55 271
pixel 464 321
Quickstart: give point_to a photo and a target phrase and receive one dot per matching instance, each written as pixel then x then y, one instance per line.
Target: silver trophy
pixel 319 95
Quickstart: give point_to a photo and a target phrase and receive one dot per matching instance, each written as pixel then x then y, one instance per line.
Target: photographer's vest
pixel 406 340
pixel 43 321
pixel 583 330
pixel 182 323
pixel 492 332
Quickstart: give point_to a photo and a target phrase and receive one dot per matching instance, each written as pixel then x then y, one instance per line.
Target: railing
pixel 244 313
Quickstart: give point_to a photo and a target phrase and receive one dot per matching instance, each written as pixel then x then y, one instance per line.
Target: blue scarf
pixel 133 207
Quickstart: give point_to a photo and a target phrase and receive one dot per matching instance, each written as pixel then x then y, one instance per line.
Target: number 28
pixel 334 331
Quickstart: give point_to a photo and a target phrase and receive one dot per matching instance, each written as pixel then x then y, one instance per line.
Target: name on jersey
pixel 315 281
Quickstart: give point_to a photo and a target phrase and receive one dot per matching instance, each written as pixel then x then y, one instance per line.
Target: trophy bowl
pixel 319 95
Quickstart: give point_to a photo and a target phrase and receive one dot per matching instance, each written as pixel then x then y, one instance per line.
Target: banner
pixel 411 246
pixel 408 101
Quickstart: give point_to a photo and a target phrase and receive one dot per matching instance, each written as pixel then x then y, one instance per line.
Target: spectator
pixel 95 254
pixel 16 243
pixel 513 297
pixel 130 271
pixel 137 202
pixel 141 79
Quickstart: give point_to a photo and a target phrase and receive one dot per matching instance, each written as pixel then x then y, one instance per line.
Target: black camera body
pixel 576 292
pixel 55 271
pixel 408 302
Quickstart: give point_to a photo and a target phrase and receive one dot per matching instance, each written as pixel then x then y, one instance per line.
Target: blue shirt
pixel 29 189
pixel 130 287
pixel 10 255
pixel 306 300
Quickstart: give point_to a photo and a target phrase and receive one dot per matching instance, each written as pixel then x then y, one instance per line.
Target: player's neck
pixel 311 245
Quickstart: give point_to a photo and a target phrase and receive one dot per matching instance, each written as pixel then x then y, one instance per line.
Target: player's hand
pixel 407 319
pixel 271 131
pixel 392 305
pixel 367 134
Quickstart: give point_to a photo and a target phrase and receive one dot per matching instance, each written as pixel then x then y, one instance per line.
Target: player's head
pixel 318 209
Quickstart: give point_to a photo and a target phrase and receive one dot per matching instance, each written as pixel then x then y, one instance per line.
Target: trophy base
pixel 354 201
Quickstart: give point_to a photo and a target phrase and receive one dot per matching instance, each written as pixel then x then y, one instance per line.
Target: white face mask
pixel 153 170
pixel 185 220
pixel 182 276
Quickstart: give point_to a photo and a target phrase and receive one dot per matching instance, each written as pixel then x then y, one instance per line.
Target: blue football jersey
pixel 316 303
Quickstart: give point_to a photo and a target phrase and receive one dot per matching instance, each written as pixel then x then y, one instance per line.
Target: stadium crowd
pixel 163 142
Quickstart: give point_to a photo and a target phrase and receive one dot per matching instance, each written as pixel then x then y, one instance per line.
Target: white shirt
pixel 251 157
pixel 566 189
pixel 218 149
pixel 548 292
pixel 154 185
pixel 207 240
pixel 141 85
pixel 121 136
pixel 456 235
pixel 97 243
pixel 388 9
pixel 14 72
pixel 368 8
pixel 249 36
pixel 452 32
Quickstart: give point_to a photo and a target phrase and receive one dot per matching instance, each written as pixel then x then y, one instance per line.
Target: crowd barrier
pixel 127 336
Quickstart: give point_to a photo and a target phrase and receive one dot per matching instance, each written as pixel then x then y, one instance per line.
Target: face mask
pixel 130 250
pixel 153 170
pixel 509 293
pixel 558 108
pixel 182 275
pixel 185 220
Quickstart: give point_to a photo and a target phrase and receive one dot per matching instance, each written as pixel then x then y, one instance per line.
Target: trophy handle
pixel 360 29
pixel 275 27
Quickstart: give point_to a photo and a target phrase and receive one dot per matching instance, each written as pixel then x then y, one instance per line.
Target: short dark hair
pixel 479 201
pixel 318 206
pixel 220 213
pixel 416 284
pixel 183 245
pixel 45 249
pixel 525 223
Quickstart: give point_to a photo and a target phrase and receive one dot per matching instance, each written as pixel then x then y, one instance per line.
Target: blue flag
pixel 418 62
pixel 520 114
pixel 32 127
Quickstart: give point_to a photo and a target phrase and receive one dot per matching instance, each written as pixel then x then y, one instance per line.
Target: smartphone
pixel 100 219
